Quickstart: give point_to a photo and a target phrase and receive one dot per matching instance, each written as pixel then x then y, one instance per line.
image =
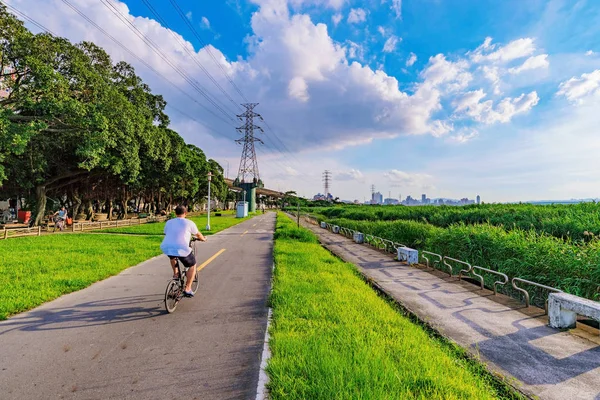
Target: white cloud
pixel 336 18
pixel 534 62
pixel 351 175
pixel 514 50
pixel 381 30
pixel 205 23
pixel 357 15
pixel 408 179
pixel 440 128
pixel 577 89
pixel 189 15
pixel 333 4
pixel 411 60
pixel 589 53
pixel 355 50
pixel 298 89
pixel 470 105
pixel 397 8
pixel 441 71
pixel 493 75
pixel 464 136
pixel 390 44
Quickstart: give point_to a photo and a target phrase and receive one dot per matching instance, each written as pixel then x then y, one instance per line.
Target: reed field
pixel 554 245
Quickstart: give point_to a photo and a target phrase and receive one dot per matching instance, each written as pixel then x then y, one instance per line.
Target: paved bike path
pixel 114 339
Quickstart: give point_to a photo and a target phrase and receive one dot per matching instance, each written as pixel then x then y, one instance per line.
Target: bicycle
pixel 175 287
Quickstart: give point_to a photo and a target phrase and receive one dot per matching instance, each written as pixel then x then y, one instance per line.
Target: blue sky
pixel 450 98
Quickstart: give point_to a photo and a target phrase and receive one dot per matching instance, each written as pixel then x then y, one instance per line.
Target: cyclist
pixel 178 232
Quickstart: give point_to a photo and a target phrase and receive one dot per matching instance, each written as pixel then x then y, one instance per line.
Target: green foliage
pixel 574 268
pixel 78 128
pixel 565 221
pixel 333 337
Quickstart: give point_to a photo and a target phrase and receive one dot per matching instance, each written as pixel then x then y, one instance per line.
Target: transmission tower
pixel 248 163
pixel 326 180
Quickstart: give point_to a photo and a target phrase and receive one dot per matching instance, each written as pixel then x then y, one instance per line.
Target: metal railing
pixel 466 271
pixel 526 293
pixel 440 258
pixel 491 271
pixel 388 245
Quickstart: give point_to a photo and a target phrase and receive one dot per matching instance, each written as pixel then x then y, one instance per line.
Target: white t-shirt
pixel 178 232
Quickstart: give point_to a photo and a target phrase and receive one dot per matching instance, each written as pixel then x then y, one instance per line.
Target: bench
pixel 408 255
pixel 563 309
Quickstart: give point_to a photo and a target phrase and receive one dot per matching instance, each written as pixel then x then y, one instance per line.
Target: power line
pixel 156 49
pixel 24 16
pixel 195 32
pixel 187 50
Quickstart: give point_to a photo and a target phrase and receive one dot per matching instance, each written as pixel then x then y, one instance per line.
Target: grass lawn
pixel 34 270
pixel 334 337
pixel 156 228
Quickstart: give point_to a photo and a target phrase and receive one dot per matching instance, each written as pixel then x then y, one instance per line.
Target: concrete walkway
pixel 114 340
pixel 510 339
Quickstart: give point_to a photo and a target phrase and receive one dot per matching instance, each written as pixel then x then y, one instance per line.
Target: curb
pixel 262 393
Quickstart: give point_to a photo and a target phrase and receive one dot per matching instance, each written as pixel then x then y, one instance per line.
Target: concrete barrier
pixel 324 225
pixel 359 237
pixel 409 255
pixel 563 309
pixel 335 229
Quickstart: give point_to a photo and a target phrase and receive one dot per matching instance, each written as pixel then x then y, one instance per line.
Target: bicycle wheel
pixel 196 282
pixel 172 296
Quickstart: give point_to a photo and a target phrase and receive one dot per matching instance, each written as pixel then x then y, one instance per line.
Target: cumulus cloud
pixel 535 62
pixel 441 71
pixel 514 50
pixel 589 53
pixel 470 105
pixel 390 44
pixel 333 4
pixel 357 15
pixel 577 89
pixel 336 18
pixel 351 175
pixel 493 75
pixel 411 59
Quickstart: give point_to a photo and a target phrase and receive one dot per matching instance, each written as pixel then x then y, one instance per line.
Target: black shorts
pixel 187 261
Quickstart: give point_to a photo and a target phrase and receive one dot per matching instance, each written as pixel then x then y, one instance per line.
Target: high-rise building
pixel 6 74
pixel 478 199
pixel 377 198
pixel 423 198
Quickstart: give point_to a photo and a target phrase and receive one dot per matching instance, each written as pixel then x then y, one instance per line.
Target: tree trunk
pixel 76 203
pixel 40 197
pixel 110 208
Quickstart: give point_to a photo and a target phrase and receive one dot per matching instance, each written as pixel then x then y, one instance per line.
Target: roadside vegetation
pixel 333 337
pixel 570 263
pixel 34 270
pixel 217 224
pixel 570 222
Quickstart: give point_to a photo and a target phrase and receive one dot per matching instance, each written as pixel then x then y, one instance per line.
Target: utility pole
pixel 298 201
pixel 326 180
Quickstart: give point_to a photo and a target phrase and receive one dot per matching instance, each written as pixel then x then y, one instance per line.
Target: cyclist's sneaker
pixel 188 294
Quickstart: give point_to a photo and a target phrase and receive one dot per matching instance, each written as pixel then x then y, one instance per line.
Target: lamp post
pixel 208 221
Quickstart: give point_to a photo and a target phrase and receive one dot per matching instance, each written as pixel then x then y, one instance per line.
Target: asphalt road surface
pixel 114 340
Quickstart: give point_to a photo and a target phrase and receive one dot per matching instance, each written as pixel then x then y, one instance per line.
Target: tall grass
pixel 333 337
pixel 575 222
pixel 574 268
